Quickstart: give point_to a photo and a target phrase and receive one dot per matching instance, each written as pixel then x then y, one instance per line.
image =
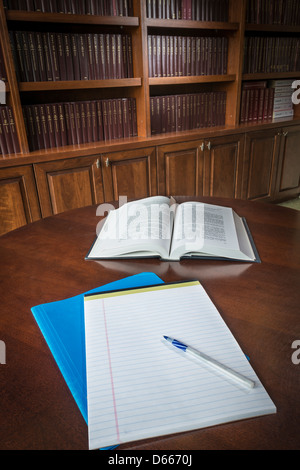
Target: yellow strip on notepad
pixel 142 289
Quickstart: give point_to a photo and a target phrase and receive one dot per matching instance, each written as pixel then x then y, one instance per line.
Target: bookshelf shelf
pixel 270 76
pixel 276 28
pixel 41 17
pixel 191 24
pixel 80 84
pixel 191 79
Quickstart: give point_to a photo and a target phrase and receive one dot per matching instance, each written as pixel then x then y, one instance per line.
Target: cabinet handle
pixel 209 145
pixel 98 163
pixel 107 162
pixel 285 134
pixel 202 147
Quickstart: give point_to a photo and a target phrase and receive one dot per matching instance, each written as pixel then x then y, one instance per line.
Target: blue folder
pixel 62 325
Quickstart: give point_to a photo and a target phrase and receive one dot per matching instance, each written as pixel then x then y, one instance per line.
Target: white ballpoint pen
pixel 211 362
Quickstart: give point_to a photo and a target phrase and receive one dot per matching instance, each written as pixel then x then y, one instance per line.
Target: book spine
pixel 62 124
pixel 39 129
pixel 54 56
pixel 75 56
pixel 48 64
pixel 26 57
pixel 13 130
pixel 120 66
pixel 32 46
pixel 44 126
pixel 9 147
pixel 3 146
pixel 150 58
pixel 83 57
pixel 102 57
pixel 134 117
pixel 56 124
pixel 32 134
pixel 113 51
pixel 73 124
pixel 107 50
pixel 50 125
pixel 67 47
pixel 61 54
pixel 99 120
pixel 41 57
pixel 129 56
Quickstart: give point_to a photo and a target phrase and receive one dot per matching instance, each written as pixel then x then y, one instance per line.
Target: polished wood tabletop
pixel 260 303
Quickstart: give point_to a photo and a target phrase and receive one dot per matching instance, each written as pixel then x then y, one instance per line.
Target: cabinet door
pixel 260 164
pixel 180 169
pixel 18 198
pixel 288 174
pixel 223 166
pixel 68 184
pixel 130 173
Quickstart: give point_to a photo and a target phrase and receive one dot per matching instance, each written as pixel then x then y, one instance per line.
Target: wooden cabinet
pixel 68 184
pixel 19 203
pixel 223 166
pixel 210 167
pixel 181 169
pixel 260 164
pixel 272 164
pixel 129 173
pixel 288 173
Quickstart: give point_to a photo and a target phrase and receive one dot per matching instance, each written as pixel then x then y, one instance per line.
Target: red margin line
pixel 111 374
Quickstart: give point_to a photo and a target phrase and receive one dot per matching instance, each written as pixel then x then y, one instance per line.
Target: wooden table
pixel 260 303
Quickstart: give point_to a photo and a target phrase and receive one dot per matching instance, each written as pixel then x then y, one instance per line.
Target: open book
pixel 159 227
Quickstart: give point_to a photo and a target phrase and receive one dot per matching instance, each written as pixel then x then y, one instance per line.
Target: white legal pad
pixel 138 386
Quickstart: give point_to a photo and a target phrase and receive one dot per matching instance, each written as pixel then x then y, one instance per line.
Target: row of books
pixel 266 100
pixel 9 143
pixel 80 7
pixel 199 10
pixel 283 12
pixel 256 102
pixel 70 123
pixel 172 113
pixel 271 54
pixel 49 56
pixel 171 56
pixel 283 104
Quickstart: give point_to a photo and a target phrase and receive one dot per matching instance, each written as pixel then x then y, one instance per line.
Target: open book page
pixel 139 387
pixel 139 228
pixel 208 230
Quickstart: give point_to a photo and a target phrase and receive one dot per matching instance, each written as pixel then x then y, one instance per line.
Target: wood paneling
pixel 18 198
pixel 223 163
pixel 261 156
pixel 131 174
pixel 68 184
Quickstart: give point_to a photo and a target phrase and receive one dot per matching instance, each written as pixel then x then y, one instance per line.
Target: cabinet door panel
pixel 18 198
pixel 68 184
pixel 223 165
pixel 288 177
pixel 181 169
pixel 131 174
pixel 261 158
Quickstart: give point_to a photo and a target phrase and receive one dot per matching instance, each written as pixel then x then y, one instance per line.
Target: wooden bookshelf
pixel 142 87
